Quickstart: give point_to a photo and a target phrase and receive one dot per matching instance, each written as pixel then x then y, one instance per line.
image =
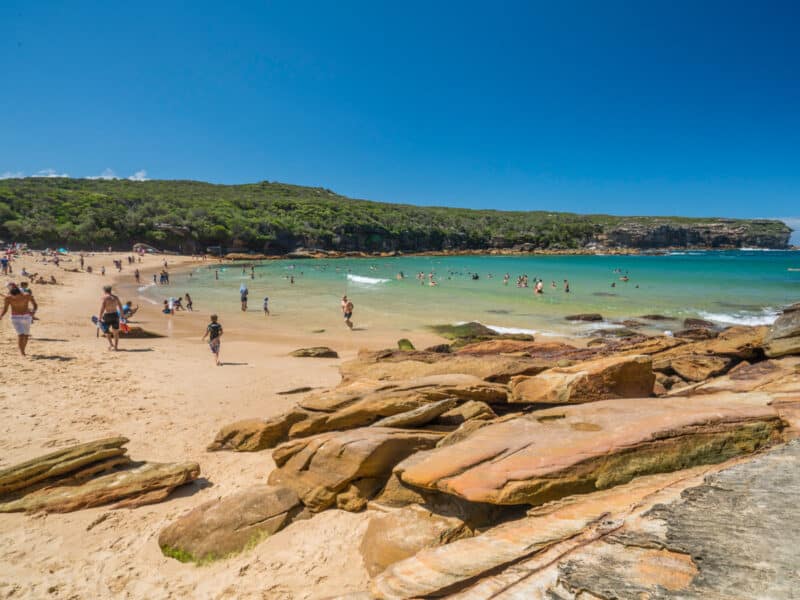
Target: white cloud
pixel 12 175
pixel 49 173
pixel 140 175
pixel 106 174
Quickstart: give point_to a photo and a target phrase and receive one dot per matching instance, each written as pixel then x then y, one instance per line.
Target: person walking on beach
pixel 214 333
pixel 21 314
pixel 136 276
pixel 243 292
pixel 347 311
pixel 266 306
pixel 189 302
pixel 110 309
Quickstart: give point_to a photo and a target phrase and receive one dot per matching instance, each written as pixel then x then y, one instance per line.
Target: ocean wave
pixel 144 287
pixel 511 330
pixel 767 317
pixel 366 280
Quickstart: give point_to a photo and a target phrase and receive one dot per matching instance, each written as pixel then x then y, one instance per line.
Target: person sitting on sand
pixel 110 309
pixel 166 310
pixel 214 333
pixel 128 309
pixel 21 314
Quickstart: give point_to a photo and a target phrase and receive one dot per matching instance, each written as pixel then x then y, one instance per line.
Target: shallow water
pixel 730 287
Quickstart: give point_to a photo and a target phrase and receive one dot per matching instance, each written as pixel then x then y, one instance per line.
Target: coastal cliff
pixel 276 218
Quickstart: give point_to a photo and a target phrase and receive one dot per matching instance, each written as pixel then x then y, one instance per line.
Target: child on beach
pixel 214 333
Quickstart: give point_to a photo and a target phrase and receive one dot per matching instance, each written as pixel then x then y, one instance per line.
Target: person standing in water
pixel 347 311
pixel 110 310
pixel 21 314
pixel 214 333
pixel 243 292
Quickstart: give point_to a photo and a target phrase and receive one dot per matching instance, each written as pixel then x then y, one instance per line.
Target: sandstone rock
pixel 464 331
pixel 550 534
pixel 62 463
pixel 439 349
pixel 784 335
pixel 464 431
pixel 143 484
pixel 695 323
pixel 472 409
pixel 405 344
pixel 577 449
pixel 696 333
pixel 733 536
pixel 585 317
pixel 252 435
pixel 695 367
pixel 418 416
pixel 600 379
pixel 748 378
pixel 656 318
pixel 354 497
pixel 394 365
pixel 347 408
pixel 229 525
pixel 398 535
pixel 316 352
pixel 320 467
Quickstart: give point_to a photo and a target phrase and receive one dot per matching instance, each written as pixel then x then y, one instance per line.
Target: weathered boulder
pixel 784 335
pixel 397 535
pixel 348 409
pixel 590 317
pixel 696 367
pixel 81 461
pixel 696 333
pixel 252 435
pixel 320 467
pixel 577 449
pixel 695 323
pixel 600 379
pixel 472 409
pixel 747 378
pixel 463 431
pixel 439 348
pixel 731 536
pixel 418 416
pixel 229 525
pixel 546 536
pixel 144 484
pixel 394 365
pixel 315 352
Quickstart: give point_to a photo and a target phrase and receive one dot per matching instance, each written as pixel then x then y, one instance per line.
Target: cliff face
pixel 719 233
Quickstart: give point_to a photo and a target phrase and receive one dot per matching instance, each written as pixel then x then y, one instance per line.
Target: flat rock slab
pixel 253 435
pixel 320 467
pixel 418 416
pixel 784 335
pixel 748 378
pixel 62 463
pixel 600 379
pixel 734 536
pixel 578 449
pixel 228 525
pixel 315 352
pixel 395 365
pixel 143 484
pixel 444 570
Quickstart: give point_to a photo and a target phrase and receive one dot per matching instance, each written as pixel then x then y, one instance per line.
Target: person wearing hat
pixel 21 313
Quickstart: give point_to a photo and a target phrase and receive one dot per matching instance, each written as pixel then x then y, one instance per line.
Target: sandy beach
pixel 167 397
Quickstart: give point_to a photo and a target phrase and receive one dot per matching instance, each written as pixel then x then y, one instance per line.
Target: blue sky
pixel 620 107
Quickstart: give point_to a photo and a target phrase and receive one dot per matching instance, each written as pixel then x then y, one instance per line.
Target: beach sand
pixel 169 399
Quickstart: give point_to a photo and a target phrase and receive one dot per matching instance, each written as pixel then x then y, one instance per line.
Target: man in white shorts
pixel 21 313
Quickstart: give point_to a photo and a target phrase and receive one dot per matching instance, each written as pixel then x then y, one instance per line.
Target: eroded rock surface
pixel 549 454
pixel 320 467
pixel 784 335
pixel 601 379
pixel 231 524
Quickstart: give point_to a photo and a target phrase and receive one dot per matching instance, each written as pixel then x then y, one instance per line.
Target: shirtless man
pixel 21 314
pixel 109 305
pixel 347 311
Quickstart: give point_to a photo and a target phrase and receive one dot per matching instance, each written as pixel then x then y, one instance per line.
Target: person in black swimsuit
pixel 110 309
pixel 214 333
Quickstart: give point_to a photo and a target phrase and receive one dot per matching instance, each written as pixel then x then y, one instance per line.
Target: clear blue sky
pixel 623 107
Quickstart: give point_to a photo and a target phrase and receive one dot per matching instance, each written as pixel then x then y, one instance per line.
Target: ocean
pixel 746 287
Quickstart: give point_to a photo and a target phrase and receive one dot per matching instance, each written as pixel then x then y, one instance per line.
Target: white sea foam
pixel 366 280
pixel 511 330
pixel 767 317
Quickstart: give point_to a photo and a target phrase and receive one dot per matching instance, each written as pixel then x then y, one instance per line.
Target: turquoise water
pixel 728 287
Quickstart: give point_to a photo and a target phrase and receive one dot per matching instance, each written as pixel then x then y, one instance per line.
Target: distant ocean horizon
pixel 732 287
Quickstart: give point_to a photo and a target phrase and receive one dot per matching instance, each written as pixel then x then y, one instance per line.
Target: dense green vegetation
pixel 277 217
